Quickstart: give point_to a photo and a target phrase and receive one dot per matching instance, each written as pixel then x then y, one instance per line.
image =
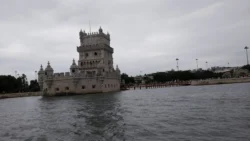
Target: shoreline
pixel 193 83
pixel 220 81
pixel 16 95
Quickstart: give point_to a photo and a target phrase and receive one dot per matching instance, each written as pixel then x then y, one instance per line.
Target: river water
pixel 208 113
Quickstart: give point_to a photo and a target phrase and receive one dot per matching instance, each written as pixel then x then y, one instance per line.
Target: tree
pixel 247 67
pixel 34 86
pixel 127 79
pixel 25 86
pixel 10 84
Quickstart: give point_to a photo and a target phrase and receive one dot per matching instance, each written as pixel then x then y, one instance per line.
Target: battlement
pixel 94 38
pixel 68 75
pixel 96 34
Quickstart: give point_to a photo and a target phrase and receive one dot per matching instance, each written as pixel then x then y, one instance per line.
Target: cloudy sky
pixel 147 35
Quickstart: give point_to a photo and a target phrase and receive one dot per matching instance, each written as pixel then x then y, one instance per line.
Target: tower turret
pixel 41 74
pixel 81 34
pixel 49 70
pixel 100 30
pixel 117 69
pixel 73 67
pixel 118 72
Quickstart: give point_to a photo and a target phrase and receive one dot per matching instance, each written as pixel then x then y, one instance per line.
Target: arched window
pixel 95 53
pixel 73 70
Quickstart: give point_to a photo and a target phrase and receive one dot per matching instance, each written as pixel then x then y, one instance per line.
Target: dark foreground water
pixel 215 113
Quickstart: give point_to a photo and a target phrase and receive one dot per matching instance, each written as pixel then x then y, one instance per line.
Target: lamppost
pixel 206 64
pixel 246 48
pixel 228 64
pixel 177 64
pixel 197 63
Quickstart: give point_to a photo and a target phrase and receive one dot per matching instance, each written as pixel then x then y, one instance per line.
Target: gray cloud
pixel 146 35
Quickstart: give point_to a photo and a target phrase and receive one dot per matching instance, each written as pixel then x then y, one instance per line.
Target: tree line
pixel 11 84
pixel 172 75
pixel 161 77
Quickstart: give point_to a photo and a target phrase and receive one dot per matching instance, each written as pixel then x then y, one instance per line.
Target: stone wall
pixel 82 85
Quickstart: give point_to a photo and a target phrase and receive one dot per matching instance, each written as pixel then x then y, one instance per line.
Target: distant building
pixel 92 73
pixel 143 79
pixel 138 79
pixel 218 69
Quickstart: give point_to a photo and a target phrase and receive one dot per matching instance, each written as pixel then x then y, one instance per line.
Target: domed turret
pixel 117 68
pixel 73 67
pixel 49 70
pixel 41 71
pixel 118 72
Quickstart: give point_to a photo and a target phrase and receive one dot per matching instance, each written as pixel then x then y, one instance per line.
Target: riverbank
pixel 221 81
pixel 14 95
pixel 188 83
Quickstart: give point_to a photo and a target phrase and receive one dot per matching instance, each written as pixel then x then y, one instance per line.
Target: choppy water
pixel 219 112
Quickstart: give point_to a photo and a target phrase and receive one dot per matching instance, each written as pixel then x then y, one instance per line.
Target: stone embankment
pixel 13 95
pixel 221 81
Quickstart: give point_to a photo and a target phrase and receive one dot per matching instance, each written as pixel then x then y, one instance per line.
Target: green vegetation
pixel 10 84
pixel 161 77
pixel 247 67
pixel 127 79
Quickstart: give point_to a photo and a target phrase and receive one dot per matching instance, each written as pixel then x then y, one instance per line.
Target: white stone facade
pixel 93 73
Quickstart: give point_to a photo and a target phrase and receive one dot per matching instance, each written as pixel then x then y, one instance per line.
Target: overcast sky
pixel 147 35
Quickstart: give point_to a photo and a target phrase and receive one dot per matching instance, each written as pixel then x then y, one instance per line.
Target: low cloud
pixel 146 35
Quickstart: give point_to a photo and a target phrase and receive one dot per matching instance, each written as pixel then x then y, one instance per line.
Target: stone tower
pixel 93 72
pixel 95 53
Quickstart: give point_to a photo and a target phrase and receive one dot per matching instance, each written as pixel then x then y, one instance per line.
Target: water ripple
pixel 179 113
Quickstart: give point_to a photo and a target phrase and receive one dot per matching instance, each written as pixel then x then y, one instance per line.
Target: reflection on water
pixel 91 117
pixel 182 113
